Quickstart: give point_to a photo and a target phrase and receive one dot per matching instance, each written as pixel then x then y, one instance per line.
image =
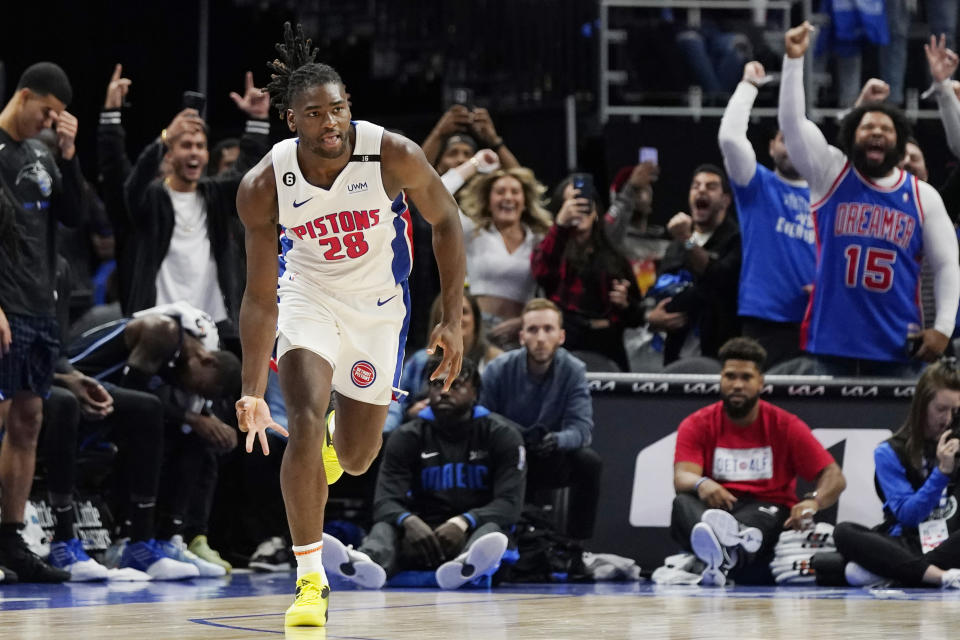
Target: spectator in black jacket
pixel 178 235
pixel 706 250
pixel 451 482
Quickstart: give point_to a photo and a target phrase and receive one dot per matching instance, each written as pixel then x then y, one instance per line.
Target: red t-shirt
pixel 761 460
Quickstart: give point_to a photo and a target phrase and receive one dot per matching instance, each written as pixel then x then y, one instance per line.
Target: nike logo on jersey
pixel 381 303
pixel 429 455
pixel 300 204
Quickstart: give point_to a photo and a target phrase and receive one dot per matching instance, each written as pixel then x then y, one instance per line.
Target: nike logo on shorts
pixel 300 204
pixel 380 303
pixel 429 455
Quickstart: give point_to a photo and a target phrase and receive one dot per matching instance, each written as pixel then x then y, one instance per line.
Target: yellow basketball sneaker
pixel 309 608
pixel 331 465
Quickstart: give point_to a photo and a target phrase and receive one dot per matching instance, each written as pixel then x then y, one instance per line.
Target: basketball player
pixel 339 191
pixel 874 222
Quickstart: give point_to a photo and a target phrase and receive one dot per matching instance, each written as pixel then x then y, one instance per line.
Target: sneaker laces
pixel 76 548
pixel 309 592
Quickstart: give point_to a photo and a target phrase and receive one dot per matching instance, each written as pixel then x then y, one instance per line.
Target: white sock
pixel 308 558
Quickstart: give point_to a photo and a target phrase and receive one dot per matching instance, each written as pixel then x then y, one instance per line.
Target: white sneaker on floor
pixel 176 549
pixel 127 575
pixel 70 555
pixel 730 532
pixel 272 555
pixel 482 556
pixel 857 576
pixel 950 579
pixel 707 547
pixel 355 566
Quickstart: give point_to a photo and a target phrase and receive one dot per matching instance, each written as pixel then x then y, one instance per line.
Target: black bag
pixel 544 554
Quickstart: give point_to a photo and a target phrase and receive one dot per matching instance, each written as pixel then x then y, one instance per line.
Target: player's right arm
pixel 738 155
pixel 815 160
pixel 258 209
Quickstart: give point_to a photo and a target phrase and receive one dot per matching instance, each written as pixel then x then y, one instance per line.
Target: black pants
pixel 780 339
pixel 898 557
pixel 135 425
pixel 578 469
pixel 768 517
pixel 188 483
pixel 384 544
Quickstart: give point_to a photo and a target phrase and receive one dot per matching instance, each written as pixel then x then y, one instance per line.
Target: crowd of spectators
pixel 131 344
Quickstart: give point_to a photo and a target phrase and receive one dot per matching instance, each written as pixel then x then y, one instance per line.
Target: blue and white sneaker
pixel 70 556
pixel 147 556
pixel 481 558
pixel 176 549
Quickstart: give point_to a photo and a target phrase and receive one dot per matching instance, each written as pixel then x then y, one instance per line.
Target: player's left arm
pixel 407 168
pixel 940 248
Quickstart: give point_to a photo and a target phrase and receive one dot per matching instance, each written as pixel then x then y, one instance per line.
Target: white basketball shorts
pixel 362 335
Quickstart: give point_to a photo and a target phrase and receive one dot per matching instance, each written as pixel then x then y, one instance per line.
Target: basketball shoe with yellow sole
pixel 331 465
pixel 309 608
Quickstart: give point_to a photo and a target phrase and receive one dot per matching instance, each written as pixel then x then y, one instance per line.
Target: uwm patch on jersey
pixel 351 236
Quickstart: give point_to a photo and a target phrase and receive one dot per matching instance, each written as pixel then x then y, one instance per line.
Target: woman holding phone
pixel 590 280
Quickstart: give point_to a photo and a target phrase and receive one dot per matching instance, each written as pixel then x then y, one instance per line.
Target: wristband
pixel 702 479
pixel 460 522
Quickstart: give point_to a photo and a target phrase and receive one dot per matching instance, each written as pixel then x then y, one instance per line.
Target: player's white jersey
pixel 350 237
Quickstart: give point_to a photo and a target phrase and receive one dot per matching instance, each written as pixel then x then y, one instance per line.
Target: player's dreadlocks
pixel 296 70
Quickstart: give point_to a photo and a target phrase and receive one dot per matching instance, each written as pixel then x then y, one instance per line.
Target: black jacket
pixel 426 473
pixel 711 303
pixel 142 216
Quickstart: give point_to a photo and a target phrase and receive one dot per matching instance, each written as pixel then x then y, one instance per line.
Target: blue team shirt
pixel 779 247
pixel 870 240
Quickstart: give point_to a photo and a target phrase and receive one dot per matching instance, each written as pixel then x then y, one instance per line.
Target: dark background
pixel 399 60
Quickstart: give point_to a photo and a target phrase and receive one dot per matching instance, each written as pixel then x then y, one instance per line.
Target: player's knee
pixel 356 460
pixel 23 424
pixel 305 425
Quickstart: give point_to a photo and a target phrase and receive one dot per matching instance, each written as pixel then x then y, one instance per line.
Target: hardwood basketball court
pixel 249 606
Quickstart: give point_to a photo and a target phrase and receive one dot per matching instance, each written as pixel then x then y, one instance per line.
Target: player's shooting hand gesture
pixel 253 418
pixel 449 337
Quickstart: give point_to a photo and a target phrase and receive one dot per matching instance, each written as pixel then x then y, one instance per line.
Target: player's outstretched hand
pixel 448 337
pixel 253 418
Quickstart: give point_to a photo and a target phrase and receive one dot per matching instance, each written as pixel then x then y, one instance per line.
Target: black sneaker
pixel 8 576
pixel 271 555
pixel 27 565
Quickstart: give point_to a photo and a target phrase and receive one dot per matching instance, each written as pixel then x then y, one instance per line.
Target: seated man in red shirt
pixel 735 471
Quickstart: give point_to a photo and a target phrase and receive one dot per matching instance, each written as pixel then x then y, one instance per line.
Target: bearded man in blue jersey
pixel 874 224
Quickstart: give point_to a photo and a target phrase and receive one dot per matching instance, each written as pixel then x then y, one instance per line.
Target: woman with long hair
pixel 415 373
pixel 505 219
pixel 918 543
pixel 592 282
